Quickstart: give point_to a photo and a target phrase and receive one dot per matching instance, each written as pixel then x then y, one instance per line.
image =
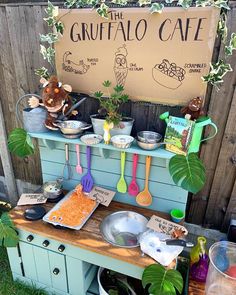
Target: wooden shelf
pixel 52 136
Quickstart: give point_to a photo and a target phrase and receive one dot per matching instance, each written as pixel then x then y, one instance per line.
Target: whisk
pixel 67 170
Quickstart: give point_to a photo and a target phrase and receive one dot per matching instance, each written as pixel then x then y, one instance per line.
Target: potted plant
pixel 110 103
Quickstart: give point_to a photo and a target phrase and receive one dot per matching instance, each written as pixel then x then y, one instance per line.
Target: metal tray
pixel 57 206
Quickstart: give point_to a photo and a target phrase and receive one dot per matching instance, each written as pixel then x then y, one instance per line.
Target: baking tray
pixel 57 206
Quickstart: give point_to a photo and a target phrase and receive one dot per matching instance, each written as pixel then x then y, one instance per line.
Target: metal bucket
pixel 33 119
pixel 125 130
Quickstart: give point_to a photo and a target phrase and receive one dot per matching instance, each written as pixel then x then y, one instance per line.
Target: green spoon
pixel 121 185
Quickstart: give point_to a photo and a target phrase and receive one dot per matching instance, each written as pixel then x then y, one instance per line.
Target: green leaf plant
pixel 162 281
pixel 110 102
pixel 8 235
pixel 188 172
pixel 20 143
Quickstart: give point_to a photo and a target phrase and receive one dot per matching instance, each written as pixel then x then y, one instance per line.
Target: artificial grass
pixel 10 287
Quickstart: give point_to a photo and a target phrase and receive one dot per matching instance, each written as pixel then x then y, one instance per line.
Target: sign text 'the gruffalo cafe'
pixel 156 57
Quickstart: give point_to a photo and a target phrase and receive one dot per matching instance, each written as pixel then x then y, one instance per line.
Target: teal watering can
pixel 197 132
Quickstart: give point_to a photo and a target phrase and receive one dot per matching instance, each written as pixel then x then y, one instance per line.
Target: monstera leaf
pixel 161 280
pixel 188 172
pixel 20 143
pixel 8 235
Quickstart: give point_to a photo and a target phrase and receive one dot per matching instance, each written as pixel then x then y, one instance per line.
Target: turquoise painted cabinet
pixel 62 268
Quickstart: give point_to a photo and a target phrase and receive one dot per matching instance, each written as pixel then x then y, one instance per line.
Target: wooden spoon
pixel 144 198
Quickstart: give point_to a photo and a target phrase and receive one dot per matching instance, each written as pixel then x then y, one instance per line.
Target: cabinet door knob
pixel 46 243
pixel 30 238
pixel 61 248
pixel 56 271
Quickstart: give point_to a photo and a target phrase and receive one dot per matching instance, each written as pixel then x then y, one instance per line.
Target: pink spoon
pixel 133 188
pixel 78 167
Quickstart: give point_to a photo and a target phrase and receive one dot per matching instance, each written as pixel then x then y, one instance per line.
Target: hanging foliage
pixel 188 172
pixel 20 143
pixel 162 281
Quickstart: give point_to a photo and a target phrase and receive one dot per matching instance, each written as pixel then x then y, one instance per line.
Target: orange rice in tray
pixel 73 211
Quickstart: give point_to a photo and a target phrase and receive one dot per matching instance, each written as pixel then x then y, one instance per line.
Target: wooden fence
pixel 20 25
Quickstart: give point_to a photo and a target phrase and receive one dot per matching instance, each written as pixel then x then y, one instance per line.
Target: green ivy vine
pixel 217 70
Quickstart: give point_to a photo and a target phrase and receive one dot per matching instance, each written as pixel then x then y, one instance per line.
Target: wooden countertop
pixel 89 236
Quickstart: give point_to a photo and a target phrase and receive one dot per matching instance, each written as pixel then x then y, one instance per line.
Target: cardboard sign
pixel 102 195
pixel 31 199
pixel 157 57
pixel 162 225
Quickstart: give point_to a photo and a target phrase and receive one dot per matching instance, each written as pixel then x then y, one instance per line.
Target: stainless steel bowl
pixel 72 127
pixel 52 189
pixel 149 136
pixel 149 146
pixel 123 228
pixel 122 141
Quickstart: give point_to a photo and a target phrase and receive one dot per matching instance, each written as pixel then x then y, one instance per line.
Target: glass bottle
pixel 200 248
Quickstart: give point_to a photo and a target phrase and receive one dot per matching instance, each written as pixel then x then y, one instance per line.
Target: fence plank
pixel 219 108
pixel 7 164
pixel 231 209
pixel 225 173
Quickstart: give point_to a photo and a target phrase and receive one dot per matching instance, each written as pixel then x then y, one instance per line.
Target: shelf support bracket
pixel 49 143
pixel 104 153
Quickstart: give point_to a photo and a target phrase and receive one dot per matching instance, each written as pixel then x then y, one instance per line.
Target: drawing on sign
pixel 120 65
pixel 168 74
pixel 69 65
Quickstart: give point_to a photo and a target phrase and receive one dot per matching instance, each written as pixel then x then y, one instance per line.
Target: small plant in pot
pixel 110 103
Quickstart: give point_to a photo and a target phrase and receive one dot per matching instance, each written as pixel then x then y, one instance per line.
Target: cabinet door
pixel 14 260
pixel 42 265
pixel 27 255
pixel 58 271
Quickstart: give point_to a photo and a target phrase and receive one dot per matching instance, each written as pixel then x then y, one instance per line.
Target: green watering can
pixel 197 132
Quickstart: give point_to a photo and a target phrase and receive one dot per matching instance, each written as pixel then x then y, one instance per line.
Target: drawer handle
pixel 56 271
pixel 30 238
pixel 46 243
pixel 61 248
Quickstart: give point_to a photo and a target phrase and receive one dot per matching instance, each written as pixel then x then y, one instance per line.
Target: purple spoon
pixel 87 179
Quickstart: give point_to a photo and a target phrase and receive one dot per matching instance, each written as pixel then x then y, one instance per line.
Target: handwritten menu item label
pixel 31 199
pixel 102 195
pixel 162 225
pixel 141 51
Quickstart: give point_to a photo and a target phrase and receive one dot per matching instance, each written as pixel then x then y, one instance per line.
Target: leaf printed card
pixel 31 199
pixel 102 195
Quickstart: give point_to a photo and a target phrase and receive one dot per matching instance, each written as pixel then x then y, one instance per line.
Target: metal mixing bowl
pixel 149 146
pixel 72 127
pixel 122 228
pixel 149 136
